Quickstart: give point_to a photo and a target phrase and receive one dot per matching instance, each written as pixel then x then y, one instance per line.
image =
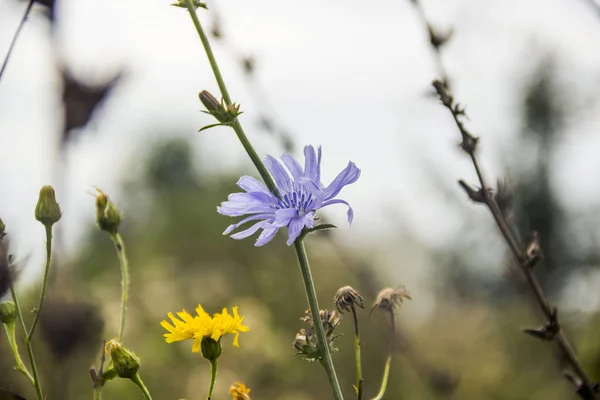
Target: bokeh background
pixel 105 94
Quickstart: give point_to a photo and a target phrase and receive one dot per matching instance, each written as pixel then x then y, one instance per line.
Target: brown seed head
pixel 390 298
pixel 346 298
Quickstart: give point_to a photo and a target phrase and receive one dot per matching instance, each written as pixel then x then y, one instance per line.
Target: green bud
pixel 47 210
pixel 108 215
pixel 125 363
pixel 223 112
pixel 211 349
pixel 8 312
pixel 2 228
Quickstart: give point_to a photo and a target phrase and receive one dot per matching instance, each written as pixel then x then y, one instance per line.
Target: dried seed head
pixel 346 298
pixel 390 298
pixel 306 341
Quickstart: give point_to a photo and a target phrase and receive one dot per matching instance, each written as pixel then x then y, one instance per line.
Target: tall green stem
pixel 38 312
pixel 388 362
pixel 213 378
pixel 12 342
pixel 359 378
pixel 97 393
pixel 120 246
pixel 300 251
pixel 313 304
pixel 237 127
pixel 140 384
pixel 36 378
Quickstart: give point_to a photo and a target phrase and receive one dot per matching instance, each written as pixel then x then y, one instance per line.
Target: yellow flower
pixel 239 391
pixel 203 325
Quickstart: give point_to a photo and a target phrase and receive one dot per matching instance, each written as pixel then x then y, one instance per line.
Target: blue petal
pixel 265 236
pixel 294 229
pixel 349 175
pixel 251 184
pixel 239 204
pixel 282 179
pixel 250 231
pixel 309 219
pixel 284 216
pixel 292 165
pixel 312 164
pixel 254 217
pixel 350 212
pixel 312 188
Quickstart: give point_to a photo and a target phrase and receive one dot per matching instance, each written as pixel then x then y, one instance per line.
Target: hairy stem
pixel 313 304
pixel 14 40
pixel 120 247
pixel 359 378
pixel 36 379
pixel 213 378
pixel 237 127
pixel 140 384
pixel 38 312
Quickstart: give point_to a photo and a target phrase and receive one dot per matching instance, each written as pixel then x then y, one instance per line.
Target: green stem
pixel 10 335
pixel 38 312
pixel 386 374
pixel 36 378
pixel 140 384
pixel 237 127
pixel 120 246
pixel 359 378
pixel 97 393
pixel 388 362
pixel 313 304
pixel 213 378
pixel 14 40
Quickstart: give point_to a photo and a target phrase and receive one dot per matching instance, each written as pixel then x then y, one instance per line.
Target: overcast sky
pixel 352 76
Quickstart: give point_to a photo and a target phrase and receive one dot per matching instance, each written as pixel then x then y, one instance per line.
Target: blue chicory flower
pixel 301 194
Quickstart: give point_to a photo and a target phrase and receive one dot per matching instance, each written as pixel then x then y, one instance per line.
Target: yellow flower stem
pixel 120 247
pixel 38 312
pixel 140 384
pixel 36 379
pixel 313 304
pixel 388 362
pixel 213 378
pixel 12 342
pixel 237 127
pixel 359 378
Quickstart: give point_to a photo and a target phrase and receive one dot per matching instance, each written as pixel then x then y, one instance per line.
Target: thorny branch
pixel 527 257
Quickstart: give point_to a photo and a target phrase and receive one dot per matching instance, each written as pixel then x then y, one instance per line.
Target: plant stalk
pixel 12 342
pixel 316 316
pixel 31 358
pixel 388 361
pixel 14 40
pixel 213 378
pixel 122 255
pixel 359 378
pixel 140 384
pixel 38 312
pixel 237 127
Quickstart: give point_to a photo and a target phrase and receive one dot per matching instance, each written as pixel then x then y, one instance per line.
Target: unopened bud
pixel 108 215
pixel 211 349
pixel 8 312
pixel 347 298
pixel 125 363
pixel 47 210
pixel 223 112
pixel 2 228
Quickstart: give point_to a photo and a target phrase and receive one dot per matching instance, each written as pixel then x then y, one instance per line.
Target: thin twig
pixel 14 40
pixel 586 389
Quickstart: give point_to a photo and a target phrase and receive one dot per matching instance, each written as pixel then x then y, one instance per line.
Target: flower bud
pixel 108 215
pixel 125 363
pixel 224 113
pixel 8 312
pixel 211 349
pixel 47 210
pixel 2 228
pixel 347 298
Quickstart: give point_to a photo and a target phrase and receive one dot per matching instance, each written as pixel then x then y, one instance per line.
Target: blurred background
pixel 105 94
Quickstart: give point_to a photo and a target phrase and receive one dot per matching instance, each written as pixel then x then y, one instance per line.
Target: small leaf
pixel 319 227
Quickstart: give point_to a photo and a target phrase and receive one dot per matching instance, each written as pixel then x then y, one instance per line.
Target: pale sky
pixel 351 76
